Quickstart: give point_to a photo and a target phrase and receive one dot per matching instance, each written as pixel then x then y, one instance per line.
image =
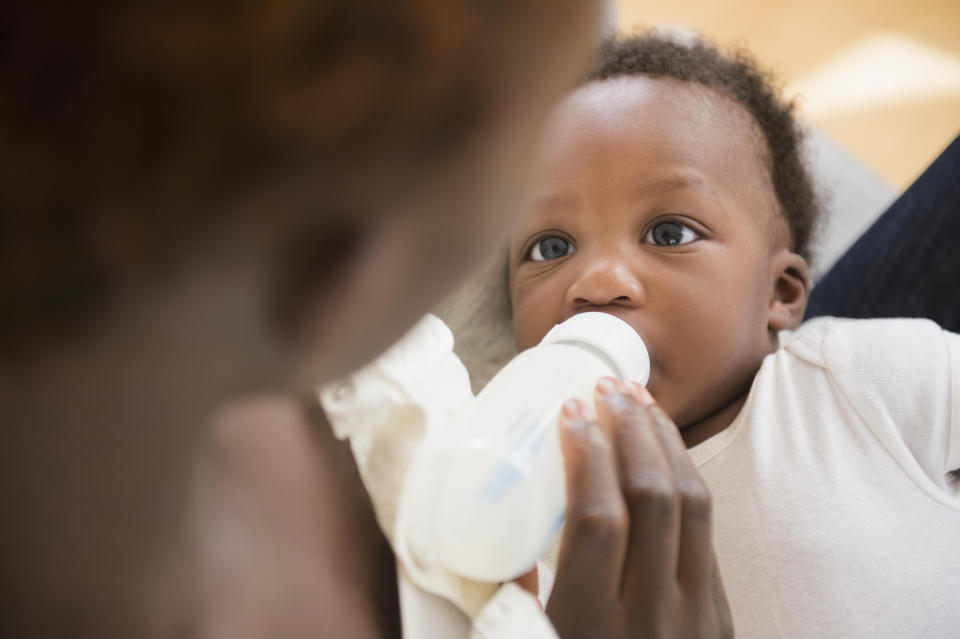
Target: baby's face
pixel 653 203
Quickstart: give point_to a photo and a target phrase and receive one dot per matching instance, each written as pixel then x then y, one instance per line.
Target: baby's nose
pixel 606 282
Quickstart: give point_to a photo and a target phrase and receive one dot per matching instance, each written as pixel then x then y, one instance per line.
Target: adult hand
pixel 637 556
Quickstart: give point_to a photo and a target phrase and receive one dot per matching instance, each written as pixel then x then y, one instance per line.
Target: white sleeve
pixel 903 378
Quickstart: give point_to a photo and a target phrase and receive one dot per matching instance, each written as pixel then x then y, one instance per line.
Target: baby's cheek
pixel 530 323
pixel 523 332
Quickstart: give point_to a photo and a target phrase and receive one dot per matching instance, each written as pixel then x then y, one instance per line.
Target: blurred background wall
pixel 880 77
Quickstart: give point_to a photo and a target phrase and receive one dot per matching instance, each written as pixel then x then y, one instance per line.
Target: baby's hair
pixel 737 75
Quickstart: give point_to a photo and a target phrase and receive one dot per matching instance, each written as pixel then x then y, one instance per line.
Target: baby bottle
pixel 486 496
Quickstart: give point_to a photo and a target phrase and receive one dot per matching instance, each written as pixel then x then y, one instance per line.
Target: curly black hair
pixel 737 75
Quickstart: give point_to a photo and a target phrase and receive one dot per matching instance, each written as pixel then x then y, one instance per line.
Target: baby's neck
pixel 713 423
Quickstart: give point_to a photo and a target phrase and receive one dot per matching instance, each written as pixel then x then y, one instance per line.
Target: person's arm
pixel 287 541
pixel 637 556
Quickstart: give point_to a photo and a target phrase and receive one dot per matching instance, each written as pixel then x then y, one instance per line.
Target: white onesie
pixel 836 508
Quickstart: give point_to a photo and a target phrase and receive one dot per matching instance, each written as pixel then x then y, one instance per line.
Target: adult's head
pixel 351 156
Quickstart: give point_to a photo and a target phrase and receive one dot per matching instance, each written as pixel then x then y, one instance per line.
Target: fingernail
pixel 572 423
pixel 640 393
pixel 607 386
pixel 572 409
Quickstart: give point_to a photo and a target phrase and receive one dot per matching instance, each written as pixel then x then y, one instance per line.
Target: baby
pixel 813 486
pixel 671 194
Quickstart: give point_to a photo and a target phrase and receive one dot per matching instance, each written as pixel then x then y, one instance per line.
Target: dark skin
pixel 636 558
pixel 653 203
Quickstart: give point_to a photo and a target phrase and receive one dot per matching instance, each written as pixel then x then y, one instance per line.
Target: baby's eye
pixel 670 234
pixel 550 248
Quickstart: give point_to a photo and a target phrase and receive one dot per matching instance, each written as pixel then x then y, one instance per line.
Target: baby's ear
pixel 789 292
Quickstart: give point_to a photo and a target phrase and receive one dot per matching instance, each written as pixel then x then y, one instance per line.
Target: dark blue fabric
pixel 908 263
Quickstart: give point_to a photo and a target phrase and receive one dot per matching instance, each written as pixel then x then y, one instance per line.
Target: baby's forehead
pixel 642 124
pixel 642 103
